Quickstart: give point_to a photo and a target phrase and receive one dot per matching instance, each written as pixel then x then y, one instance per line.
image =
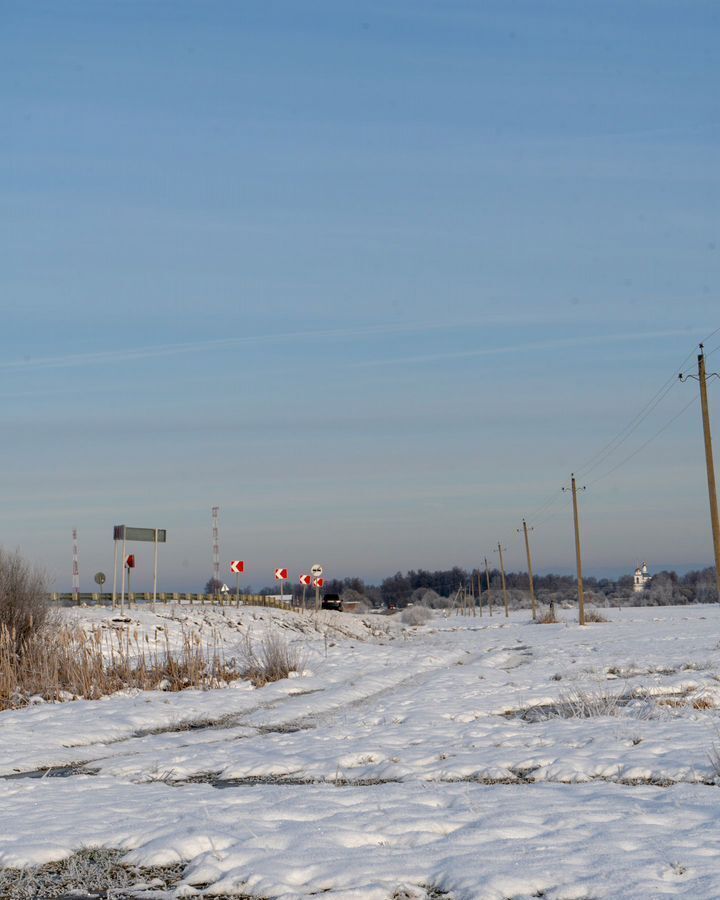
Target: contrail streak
pixel 556 344
pixel 135 353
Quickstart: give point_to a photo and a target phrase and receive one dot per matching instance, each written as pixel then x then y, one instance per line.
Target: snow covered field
pixel 451 760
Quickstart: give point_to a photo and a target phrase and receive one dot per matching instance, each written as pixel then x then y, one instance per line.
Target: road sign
pixel 237 565
pixel 316 571
pixel 281 574
pixel 224 589
pixel 100 578
pixel 130 561
pixel 319 582
pixel 126 533
pixel 305 579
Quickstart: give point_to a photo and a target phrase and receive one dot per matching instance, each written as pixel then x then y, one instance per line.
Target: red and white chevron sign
pixel 305 579
pixel 280 574
pixel 237 566
pixel 319 582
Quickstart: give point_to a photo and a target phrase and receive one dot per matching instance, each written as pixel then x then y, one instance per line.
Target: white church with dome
pixel 641 578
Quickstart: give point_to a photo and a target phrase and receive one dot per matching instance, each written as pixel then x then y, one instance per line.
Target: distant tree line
pixel 436 588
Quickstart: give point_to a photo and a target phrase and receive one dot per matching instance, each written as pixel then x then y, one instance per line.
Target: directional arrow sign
pixel 281 574
pixel 237 565
pixel 305 579
pixel 319 582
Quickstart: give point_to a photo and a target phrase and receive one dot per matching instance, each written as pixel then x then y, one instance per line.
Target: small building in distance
pixel 641 579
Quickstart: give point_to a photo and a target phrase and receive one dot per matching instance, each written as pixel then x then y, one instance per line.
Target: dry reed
pixel 271 660
pixel 68 663
pixel 548 617
pixel 593 616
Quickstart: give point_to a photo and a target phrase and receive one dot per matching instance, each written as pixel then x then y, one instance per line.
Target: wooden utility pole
pixel 479 592
pixel 502 578
pixel 712 490
pixel 578 556
pixel 530 571
pixel 487 582
pixel 709 464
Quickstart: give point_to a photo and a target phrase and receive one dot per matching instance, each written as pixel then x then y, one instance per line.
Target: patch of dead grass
pixel 593 616
pixel 69 663
pixel 548 618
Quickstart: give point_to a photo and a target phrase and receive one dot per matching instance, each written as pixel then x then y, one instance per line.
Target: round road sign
pixel 100 578
pixel 317 570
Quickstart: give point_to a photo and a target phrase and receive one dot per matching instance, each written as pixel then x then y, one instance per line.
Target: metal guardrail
pixel 189 599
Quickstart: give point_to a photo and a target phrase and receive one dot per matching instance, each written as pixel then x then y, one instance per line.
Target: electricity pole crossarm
pixel 529 565
pixel 578 554
pixel 702 377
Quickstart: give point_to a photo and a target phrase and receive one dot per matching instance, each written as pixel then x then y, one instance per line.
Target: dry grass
pixel 93 871
pixel 714 757
pixel 68 663
pixel 547 618
pixel 699 701
pixel 703 702
pixel 584 705
pixel 271 660
pixel 593 616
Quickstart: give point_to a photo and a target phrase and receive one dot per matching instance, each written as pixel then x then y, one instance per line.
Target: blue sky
pixel 373 277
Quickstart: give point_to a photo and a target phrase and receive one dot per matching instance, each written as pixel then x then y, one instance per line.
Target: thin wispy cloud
pixel 555 344
pixel 127 354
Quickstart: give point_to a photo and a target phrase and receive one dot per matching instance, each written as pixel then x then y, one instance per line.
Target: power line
pixel 647 442
pixel 550 500
pixel 657 433
pixel 631 428
pixel 555 512
pixel 621 437
pixel 608 449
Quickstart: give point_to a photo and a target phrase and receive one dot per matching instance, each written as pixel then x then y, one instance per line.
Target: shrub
pixel 273 660
pixel 592 615
pixel 548 617
pixel 24 605
pixel 416 615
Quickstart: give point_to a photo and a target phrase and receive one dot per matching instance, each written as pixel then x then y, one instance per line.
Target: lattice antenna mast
pixel 216 543
pixel 75 570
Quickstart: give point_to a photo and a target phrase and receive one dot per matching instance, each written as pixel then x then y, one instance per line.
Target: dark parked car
pixel 332 601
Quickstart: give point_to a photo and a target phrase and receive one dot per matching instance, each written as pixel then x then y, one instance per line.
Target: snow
pixel 400 762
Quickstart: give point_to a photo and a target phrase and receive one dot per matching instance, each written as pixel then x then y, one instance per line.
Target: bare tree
pixel 24 603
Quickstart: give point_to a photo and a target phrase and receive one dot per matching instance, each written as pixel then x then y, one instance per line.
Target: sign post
pixel 237 566
pixel 316 572
pixel 304 581
pixel 281 575
pixel 130 564
pixel 127 533
pixel 114 593
pixel 155 545
pixel 122 589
